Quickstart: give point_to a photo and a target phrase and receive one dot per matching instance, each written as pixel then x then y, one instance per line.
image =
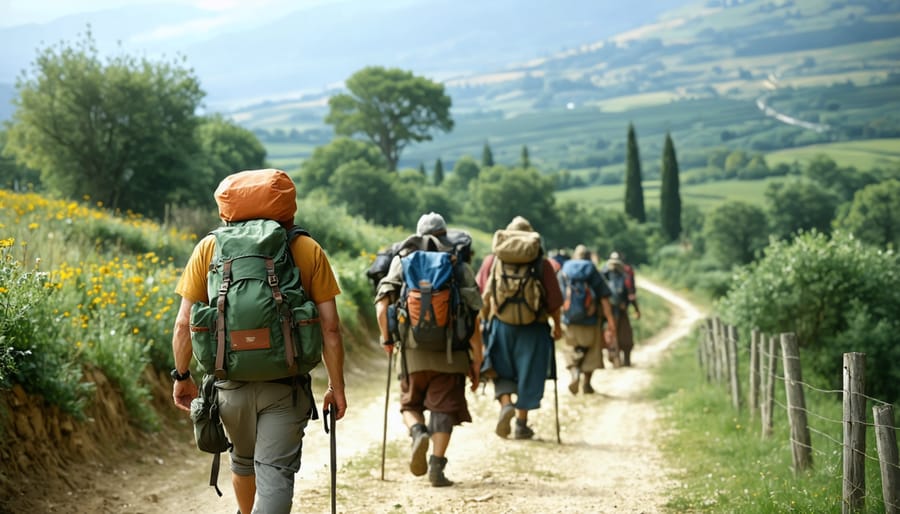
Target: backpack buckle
pixel 273 280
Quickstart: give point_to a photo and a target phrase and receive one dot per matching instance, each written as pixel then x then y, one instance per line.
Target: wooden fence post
pixel 854 488
pixel 733 376
pixel 769 389
pixel 886 440
pixel 796 403
pixel 708 349
pixel 717 349
pixel 755 350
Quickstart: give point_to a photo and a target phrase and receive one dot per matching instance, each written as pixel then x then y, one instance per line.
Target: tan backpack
pixel 514 292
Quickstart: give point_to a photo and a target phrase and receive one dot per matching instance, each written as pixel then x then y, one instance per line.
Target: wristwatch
pixel 387 342
pixel 179 376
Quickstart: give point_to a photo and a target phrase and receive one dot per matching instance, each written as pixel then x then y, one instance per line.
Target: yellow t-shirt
pixel 315 271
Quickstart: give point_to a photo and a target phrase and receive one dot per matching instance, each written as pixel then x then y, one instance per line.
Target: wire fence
pixel 775 361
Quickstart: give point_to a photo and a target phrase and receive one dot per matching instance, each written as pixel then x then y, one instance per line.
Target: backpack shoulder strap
pixel 297 231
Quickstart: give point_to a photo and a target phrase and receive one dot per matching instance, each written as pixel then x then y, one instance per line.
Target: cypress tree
pixel 487 156
pixel 634 190
pixel 422 169
pixel 526 162
pixel 438 172
pixel 669 195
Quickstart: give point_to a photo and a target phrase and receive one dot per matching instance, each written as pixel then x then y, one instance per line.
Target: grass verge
pixel 724 465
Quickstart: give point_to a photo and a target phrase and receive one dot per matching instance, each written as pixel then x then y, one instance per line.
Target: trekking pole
pixel 555 388
pixel 556 408
pixel 387 397
pixel 331 413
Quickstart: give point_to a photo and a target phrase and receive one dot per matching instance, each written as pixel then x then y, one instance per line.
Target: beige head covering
pixel 431 223
pixel 520 223
pixel 615 260
pixel 581 252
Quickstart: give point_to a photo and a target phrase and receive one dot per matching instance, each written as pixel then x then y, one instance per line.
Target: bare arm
pixel 183 391
pixel 477 346
pixel 381 308
pixel 557 324
pixel 610 319
pixel 333 357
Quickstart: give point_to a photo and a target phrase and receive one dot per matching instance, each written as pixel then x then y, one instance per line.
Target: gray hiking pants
pixel 266 428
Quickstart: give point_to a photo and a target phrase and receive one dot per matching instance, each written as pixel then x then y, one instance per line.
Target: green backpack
pixel 259 325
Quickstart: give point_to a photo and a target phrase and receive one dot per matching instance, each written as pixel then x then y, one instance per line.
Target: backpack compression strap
pixel 518 296
pixel 286 318
pixel 220 321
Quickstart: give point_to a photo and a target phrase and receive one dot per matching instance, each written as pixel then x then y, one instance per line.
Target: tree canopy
pixel 874 215
pixel 735 232
pixel 391 108
pixel 120 131
pixel 800 205
pixel 326 159
pixel 499 194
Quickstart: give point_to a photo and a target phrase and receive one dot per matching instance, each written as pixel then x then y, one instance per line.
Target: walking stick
pixel 556 407
pixel 555 387
pixel 387 397
pixel 332 414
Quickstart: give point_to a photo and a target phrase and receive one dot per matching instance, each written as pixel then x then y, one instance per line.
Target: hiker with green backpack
pixel 521 295
pixel 258 313
pixel 585 298
pixel 427 308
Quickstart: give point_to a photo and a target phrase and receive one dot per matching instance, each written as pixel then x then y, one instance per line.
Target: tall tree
pixel 487 156
pixel 438 172
pixel 15 176
pixel 422 169
pixel 874 215
pixel 119 130
pixel 736 232
pixel 669 195
pixel 226 148
pixel 391 108
pixel 500 193
pixel 800 205
pixel 526 162
pixel 634 190
pixel 326 159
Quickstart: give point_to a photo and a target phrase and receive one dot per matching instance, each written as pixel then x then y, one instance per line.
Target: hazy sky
pixel 18 12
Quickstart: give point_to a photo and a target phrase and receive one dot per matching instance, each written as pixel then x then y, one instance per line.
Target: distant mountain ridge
pixel 313 48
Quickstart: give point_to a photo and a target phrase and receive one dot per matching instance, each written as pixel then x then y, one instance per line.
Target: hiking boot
pixel 523 431
pixel 436 472
pixel 506 414
pixel 588 388
pixel 573 384
pixel 418 465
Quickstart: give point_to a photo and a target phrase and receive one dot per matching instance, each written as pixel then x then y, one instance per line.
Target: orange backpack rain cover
pixel 253 194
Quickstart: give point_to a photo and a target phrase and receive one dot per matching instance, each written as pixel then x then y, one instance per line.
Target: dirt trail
pixel 607 461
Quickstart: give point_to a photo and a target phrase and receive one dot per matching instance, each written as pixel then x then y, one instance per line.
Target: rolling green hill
pixel 742 76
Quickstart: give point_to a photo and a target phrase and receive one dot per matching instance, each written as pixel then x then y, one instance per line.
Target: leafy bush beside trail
pixel 838 295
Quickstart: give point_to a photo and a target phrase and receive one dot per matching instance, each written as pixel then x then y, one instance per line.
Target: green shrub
pixel 837 295
pixel 33 354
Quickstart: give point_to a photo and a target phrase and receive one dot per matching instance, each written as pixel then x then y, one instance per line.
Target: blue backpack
pixel 579 298
pixel 616 280
pixel 431 309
